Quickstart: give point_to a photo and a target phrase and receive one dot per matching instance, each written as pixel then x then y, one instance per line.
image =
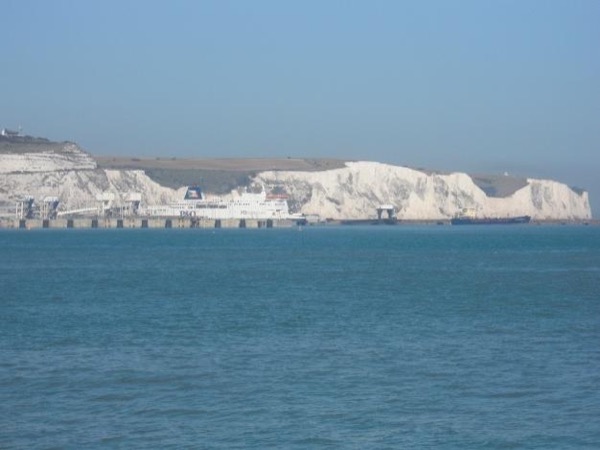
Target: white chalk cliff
pixel 352 192
pixel 67 157
pixel 67 172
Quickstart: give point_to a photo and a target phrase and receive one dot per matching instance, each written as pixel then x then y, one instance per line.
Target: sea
pixel 353 337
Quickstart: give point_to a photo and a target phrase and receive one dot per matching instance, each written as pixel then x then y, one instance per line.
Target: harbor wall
pixel 182 223
pixel 143 222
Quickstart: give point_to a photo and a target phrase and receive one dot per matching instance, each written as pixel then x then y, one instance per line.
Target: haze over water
pixel 378 337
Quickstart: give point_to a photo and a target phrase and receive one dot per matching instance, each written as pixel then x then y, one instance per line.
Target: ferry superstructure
pixel 247 206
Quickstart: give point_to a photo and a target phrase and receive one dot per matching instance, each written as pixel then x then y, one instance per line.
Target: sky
pixel 483 86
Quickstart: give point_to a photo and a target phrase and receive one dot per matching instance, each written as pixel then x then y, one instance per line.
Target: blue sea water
pixel 334 337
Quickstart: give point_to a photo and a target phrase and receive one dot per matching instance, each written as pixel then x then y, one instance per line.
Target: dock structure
pixel 389 209
pixel 141 222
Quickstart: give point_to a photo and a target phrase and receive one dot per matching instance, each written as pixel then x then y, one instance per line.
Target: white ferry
pixel 248 206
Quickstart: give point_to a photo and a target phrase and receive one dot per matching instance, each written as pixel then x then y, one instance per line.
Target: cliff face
pixel 351 192
pixel 65 171
pixel 65 156
pixel 355 192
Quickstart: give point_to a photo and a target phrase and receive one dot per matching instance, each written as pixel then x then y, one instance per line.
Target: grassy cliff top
pixel 216 175
pixel 29 144
pixel 499 185
pixel 228 164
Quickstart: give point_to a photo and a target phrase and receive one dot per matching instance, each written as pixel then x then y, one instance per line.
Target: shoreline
pixel 187 222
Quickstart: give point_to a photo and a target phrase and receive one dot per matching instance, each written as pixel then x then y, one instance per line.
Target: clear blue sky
pixel 473 85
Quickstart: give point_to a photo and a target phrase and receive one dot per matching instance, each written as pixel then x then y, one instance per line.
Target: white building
pixel 10 133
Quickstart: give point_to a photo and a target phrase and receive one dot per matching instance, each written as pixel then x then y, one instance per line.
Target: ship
pixel 490 220
pixel 248 205
pixel 468 217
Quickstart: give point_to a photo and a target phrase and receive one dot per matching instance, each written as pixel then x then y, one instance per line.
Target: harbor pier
pixel 141 222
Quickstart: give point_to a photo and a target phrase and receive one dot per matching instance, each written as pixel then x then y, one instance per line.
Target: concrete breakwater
pixel 143 222
pixel 191 222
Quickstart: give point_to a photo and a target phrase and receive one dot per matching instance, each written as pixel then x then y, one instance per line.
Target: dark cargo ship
pixel 465 220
